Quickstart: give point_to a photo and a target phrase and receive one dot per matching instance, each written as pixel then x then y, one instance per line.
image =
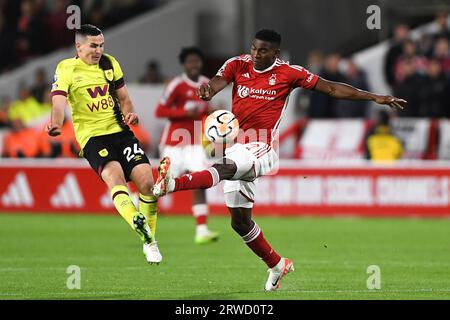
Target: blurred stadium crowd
pixel 417 70
pixel 28 26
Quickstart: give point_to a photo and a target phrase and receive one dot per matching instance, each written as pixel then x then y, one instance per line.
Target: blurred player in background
pixel 182 138
pixel 92 84
pixel 261 86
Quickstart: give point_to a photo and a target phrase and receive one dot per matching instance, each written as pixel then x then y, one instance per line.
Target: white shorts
pixel 185 159
pixel 253 160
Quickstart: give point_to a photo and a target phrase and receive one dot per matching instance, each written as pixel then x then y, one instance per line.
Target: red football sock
pixel 259 245
pixel 201 220
pixel 197 180
pixel 200 212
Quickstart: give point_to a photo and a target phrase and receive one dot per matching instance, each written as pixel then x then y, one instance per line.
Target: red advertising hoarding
pixel 298 188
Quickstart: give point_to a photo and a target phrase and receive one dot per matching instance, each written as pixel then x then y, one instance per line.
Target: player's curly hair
pixel 269 35
pixel 185 52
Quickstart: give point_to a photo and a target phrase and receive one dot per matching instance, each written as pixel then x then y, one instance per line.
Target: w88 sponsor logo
pixel 103 103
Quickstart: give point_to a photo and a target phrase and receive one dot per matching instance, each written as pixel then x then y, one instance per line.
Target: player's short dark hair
pixel 185 52
pixel 269 35
pixel 88 30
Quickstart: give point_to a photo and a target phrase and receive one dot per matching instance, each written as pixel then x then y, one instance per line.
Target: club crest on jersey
pixel 103 153
pixel 109 74
pixel 273 79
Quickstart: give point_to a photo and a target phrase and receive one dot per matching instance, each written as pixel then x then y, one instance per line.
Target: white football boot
pixel 152 253
pixel 204 236
pixel 150 248
pixel 277 273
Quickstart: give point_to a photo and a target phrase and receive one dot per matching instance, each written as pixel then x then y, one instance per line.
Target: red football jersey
pixel 179 97
pixel 260 97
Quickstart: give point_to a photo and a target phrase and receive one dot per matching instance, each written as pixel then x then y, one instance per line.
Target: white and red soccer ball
pixel 221 126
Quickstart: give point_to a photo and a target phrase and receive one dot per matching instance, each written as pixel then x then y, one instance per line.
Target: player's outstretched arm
pixel 340 90
pixel 126 106
pixel 209 90
pixel 59 103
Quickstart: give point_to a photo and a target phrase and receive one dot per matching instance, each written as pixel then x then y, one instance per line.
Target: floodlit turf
pixel 331 257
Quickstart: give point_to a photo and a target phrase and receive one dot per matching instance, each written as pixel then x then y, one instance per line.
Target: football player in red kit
pixel 261 86
pixel 181 140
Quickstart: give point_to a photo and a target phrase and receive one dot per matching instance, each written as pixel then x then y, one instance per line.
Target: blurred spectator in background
pixel 353 109
pixel 444 28
pixel 5 104
pixel 62 146
pixel 7 36
pixel 31 36
pixel 303 97
pixel 29 28
pixel 152 73
pixel 435 93
pixel 57 21
pixel 27 108
pixel 425 45
pixel 321 105
pixel 315 61
pixel 40 85
pixel 23 142
pixel 408 87
pixel 96 14
pixel 381 144
pixel 442 54
pixel 409 52
pixel 401 33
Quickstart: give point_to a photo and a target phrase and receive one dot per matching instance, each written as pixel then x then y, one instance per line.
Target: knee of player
pixel 237 225
pixel 145 186
pixel 113 178
pixel 241 224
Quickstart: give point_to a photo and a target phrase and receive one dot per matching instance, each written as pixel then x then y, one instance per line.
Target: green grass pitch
pixel 331 256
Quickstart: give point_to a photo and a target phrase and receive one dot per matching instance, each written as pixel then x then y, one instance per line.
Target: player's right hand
pixel 393 102
pixel 204 92
pixel 53 129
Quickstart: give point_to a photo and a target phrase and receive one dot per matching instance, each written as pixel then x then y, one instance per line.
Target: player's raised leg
pixel 142 177
pixel 195 180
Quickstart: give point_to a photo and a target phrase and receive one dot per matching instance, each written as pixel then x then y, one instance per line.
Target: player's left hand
pixel 393 102
pixel 131 119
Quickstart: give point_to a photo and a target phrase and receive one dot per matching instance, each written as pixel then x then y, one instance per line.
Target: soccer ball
pixel 221 126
